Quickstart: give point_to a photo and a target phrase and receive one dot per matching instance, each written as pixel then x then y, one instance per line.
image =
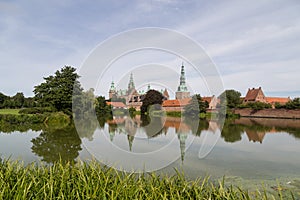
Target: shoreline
pixel 268 113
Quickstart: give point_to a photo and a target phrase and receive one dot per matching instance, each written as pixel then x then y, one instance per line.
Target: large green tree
pixel 102 109
pixel 152 97
pixel 233 98
pixel 195 106
pixel 294 104
pixel 18 100
pixel 57 90
pixel 3 98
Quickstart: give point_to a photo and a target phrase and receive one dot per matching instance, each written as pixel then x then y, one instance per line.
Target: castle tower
pixel 182 91
pixel 131 86
pixel 166 94
pixel 112 91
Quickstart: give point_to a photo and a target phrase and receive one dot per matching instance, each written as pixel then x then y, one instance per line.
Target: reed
pixel 92 181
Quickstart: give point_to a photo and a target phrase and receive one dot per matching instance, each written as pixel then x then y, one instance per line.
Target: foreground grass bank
pixel 91 181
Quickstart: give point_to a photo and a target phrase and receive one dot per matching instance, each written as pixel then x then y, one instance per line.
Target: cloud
pixel 251 43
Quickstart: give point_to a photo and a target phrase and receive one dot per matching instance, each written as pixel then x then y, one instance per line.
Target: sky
pixel 251 43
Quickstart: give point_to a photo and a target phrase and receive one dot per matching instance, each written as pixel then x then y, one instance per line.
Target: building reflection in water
pixel 255 129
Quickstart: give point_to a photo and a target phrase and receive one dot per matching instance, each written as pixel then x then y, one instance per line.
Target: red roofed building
pixel 255 95
pixel 212 102
pixel 116 105
pixel 175 105
pixel 280 100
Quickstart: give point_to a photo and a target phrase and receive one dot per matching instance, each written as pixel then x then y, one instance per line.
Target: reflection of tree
pixel 86 128
pixel 196 126
pixel 231 132
pixel 292 131
pixel 153 127
pixel 9 128
pixel 60 144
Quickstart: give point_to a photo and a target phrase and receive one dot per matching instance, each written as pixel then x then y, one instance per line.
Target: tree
pixel 84 104
pixel 18 100
pixel 57 90
pixel 102 109
pixel 195 106
pixel 152 97
pixel 55 145
pixel 2 99
pixel 294 104
pixel 233 98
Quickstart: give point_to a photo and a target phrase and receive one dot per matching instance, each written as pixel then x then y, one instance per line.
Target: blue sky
pixel 252 43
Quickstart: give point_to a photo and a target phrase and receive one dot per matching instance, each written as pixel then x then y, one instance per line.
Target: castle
pixel 134 98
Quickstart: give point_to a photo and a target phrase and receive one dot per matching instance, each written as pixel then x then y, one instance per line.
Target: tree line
pixel 16 101
pixel 60 91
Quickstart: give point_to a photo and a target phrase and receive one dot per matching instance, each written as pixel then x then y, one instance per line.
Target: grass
pixel 9 111
pixel 92 181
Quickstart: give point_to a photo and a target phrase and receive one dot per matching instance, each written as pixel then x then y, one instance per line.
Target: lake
pixel 248 151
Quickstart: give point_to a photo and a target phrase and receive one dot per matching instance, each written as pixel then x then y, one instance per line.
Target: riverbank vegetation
pixel 93 181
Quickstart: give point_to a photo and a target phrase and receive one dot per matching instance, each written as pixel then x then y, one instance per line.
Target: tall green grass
pixel 92 181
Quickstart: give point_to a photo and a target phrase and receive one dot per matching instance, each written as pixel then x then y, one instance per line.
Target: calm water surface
pixel 247 151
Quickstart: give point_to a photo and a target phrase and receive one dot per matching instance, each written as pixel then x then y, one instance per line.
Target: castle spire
pixel 112 86
pixel 112 91
pixel 131 82
pixel 182 86
pixel 182 91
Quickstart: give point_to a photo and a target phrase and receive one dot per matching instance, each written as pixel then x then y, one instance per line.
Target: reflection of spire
pixel 182 138
pixel 182 87
pixel 111 135
pixel 130 140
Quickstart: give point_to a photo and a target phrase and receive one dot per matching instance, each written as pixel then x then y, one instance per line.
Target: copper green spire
pixel 112 86
pixel 182 87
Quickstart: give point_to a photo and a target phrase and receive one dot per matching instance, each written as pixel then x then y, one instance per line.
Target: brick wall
pixel 269 113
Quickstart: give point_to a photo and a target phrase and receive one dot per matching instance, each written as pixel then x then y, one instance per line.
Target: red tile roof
pixel 208 99
pixel 176 102
pixel 116 104
pixel 252 94
pixel 281 100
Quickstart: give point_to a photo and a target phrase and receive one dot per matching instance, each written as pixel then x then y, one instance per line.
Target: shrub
pixel 36 110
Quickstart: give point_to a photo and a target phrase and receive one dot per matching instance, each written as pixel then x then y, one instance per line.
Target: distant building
pixel 279 100
pixel 255 95
pixel 116 105
pixel 212 102
pixel 133 97
pixel 175 104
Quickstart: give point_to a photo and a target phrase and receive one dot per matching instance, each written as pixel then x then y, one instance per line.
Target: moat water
pixel 247 151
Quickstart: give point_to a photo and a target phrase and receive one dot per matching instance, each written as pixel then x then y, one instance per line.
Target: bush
pixel 58 120
pixel 22 119
pixel 37 110
pixel 255 105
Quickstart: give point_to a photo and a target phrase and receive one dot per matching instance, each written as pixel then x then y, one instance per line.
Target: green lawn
pixel 9 111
